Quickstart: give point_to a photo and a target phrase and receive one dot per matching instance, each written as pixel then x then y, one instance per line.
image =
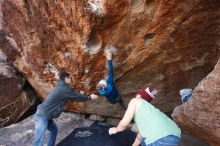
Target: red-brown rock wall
pixel 168 44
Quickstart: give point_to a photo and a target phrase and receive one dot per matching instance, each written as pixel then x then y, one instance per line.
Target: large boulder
pixel 15 99
pixel 201 114
pixel 167 44
pixel 22 133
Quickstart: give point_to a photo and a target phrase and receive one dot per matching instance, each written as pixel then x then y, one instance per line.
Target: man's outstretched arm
pixel 75 96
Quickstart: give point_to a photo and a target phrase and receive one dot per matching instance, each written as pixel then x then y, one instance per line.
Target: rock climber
pixel 107 87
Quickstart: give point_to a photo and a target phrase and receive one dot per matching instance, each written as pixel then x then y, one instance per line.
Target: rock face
pixel 201 114
pixel 15 100
pixel 166 44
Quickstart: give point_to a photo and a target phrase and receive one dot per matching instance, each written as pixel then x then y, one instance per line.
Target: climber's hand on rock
pixel 108 54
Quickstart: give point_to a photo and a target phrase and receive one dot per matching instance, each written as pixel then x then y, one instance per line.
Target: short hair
pixel 63 75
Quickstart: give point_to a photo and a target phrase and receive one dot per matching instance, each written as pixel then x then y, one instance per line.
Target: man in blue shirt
pixel 53 106
pixel 107 87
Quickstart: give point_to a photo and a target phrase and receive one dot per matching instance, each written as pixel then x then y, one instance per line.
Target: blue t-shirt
pixel 110 92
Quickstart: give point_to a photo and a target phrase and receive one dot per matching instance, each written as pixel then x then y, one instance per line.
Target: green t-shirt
pixel 153 124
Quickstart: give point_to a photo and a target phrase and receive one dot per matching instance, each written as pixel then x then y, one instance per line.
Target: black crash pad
pixel 97 135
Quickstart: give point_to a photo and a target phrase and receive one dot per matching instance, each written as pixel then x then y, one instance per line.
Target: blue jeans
pixel 170 140
pixel 41 125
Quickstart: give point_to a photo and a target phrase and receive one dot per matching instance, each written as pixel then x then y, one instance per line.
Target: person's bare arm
pixel 129 114
pixel 109 54
pixel 137 141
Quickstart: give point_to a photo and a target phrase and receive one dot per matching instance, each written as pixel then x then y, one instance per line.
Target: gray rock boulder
pixel 15 98
pixel 22 133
